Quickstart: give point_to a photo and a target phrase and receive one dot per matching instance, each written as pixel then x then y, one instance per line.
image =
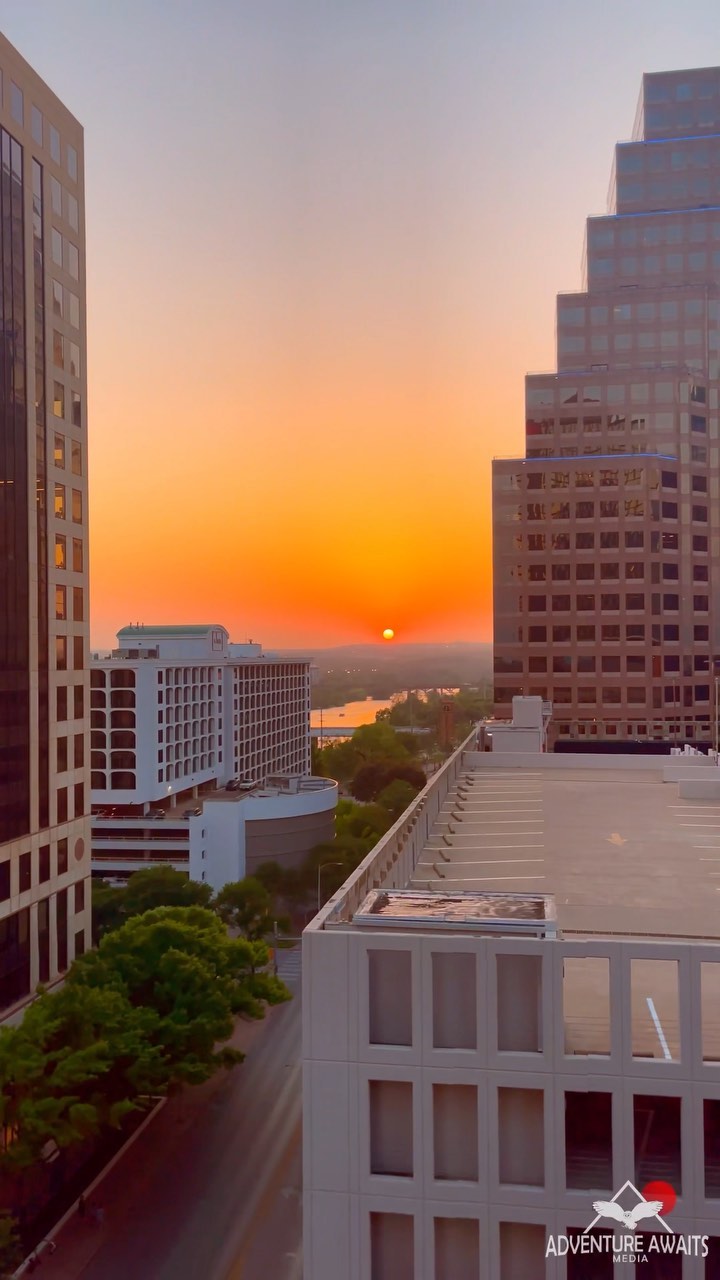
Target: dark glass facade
pixel 14 958
pixel 41 485
pixel 14 551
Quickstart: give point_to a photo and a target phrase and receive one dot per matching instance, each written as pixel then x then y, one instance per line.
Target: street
pixel 211 1189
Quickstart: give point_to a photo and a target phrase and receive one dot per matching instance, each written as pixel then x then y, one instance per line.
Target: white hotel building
pixel 510 1009
pixel 200 756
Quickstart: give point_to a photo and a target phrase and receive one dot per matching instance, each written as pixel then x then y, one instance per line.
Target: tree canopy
pixel 247 906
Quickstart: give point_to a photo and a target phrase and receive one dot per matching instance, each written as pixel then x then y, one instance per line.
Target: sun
pixel 388 633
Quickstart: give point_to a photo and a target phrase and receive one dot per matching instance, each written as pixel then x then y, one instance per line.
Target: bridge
pixel 347 730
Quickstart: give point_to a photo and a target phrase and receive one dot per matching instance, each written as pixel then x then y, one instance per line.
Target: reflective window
pixel 599 315
pixel 73 213
pixel 54 144
pixel 58 400
pixel 73 264
pixel 36 124
pixel 571 315
pixel 585 541
pixel 74 360
pixel 76 415
pixel 609 541
pixel 59 450
pixel 639 391
pixel 56 246
pixel 77 555
pixel 59 507
pixel 76 457
pixel 559 510
pixel 58 349
pixel 16 102
pixel 56 196
pixel 73 310
pixel 60 551
pixel 77 506
pixel 57 298
pixel 60 604
pixel 668 310
pixel 61 653
pixel 539 396
pixel 591 395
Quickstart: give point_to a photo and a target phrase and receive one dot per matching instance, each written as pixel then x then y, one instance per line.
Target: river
pixel 351 715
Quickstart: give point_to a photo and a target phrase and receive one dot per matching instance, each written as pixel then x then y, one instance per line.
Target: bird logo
pixel 628 1217
pixel 651 1206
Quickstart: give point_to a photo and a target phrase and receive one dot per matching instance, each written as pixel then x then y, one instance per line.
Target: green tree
pixel 163 887
pixel 108 903
pixel 371 779
pixel 247 906
pixel 378 741
pixel 74 1066
pixel 180 963
pixel 397 797
pixel 361 820
pixel 10 1249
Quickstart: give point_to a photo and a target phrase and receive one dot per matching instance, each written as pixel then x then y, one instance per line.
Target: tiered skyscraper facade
pixel 44 761
pixel 607 533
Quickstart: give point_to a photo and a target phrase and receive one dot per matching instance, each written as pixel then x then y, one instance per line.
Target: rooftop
pixel 609 839
pixel 619 850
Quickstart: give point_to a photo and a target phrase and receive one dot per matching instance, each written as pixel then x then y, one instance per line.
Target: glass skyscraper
pixel 44 704
pixel 607 532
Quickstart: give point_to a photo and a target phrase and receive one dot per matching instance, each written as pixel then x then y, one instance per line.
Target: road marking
pixel 488 862
pixel 489 879
pixel 658 1027
pixel 481 847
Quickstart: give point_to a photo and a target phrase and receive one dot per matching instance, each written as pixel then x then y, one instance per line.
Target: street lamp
pixel 320 869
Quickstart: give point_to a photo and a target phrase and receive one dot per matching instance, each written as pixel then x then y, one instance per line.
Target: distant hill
pixel 350 672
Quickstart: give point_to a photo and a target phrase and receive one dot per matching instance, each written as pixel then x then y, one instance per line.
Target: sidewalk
pixel 118 1190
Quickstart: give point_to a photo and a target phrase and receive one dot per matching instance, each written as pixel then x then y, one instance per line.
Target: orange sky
pixel 324 241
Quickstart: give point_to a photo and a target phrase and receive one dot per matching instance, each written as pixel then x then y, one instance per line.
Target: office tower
pixel 510 1012
pixel 44 764
pixel 201 756
pixel 606 534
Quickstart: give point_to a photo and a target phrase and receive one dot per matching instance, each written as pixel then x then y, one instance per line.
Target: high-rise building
pixel 607 533
pixel 201 756
pixel 44 761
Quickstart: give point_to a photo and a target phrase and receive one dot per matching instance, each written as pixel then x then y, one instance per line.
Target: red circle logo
pixel 661 1191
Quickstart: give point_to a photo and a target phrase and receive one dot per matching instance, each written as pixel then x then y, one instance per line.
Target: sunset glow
pixel 323 248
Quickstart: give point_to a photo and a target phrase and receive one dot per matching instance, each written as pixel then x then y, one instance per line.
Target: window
pixel 54 144
pixel 56 247
pixel 562 635
pixel 58 400
pixel 610 602
pixel 536 573
pixel 78 605
pixel 635 664
pixel 16 102
pixel 61 703
pixel 585 541
pixel 61 653
pixel 634 601
pixel 76 402
pixel 609 510
pixel 78 653
pixel 561 573
pixel 73 260
pixel 56 197
pixel 62 856
pixel 610 632
pixel 391 1128
pixel 77 555
pixel 586 664
pixel 585 572
pixel 79 896
pixel 586 634
pixel 537 635
pixel 73 309
pixel 72 163
pixel 699 514
pixel 77 506
pixel 36 124
pixel 390 1003
pixel 59 503
pixel 560 604
pixel 537 665
pixel 60 604
pixel 610 664
pixel 608 572
pixel 25 862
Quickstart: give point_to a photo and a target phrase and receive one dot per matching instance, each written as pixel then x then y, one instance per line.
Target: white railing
pixel 391 863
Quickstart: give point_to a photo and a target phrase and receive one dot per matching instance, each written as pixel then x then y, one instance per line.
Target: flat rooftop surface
pixel 455 906
pixel 618 849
